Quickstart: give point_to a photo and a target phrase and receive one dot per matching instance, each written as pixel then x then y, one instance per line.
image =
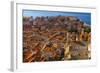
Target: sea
pixel 83 16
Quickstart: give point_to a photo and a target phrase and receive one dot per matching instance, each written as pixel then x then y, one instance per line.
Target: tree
pixel 87 29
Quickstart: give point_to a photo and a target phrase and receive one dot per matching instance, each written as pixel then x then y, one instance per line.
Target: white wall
pixel 5 34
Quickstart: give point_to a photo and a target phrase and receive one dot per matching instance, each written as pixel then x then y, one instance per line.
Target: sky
pixel 85 17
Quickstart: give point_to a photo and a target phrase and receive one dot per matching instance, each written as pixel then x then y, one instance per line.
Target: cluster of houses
pixel 55 38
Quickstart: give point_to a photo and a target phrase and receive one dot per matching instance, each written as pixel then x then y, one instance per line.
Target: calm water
pixel 86 17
